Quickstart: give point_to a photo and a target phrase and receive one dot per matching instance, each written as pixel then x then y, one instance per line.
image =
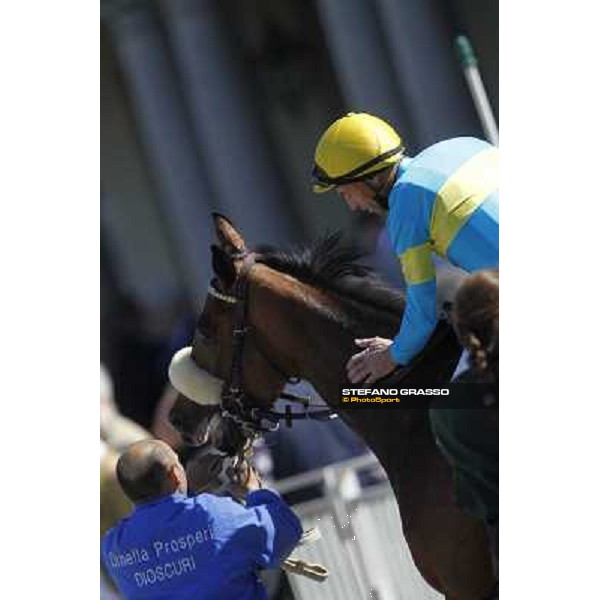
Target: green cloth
pixel 468 438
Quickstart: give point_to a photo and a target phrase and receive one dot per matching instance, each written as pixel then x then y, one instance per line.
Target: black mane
pixel 332 264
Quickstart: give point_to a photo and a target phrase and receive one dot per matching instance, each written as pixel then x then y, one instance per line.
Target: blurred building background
pixel 217 105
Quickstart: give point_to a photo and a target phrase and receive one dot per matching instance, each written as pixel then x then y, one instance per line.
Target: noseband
pixel 254 420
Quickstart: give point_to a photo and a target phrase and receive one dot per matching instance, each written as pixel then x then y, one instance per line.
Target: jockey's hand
pixel 372 363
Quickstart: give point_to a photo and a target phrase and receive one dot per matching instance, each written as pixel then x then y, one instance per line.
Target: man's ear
pixel 229 237
pixel 178 478
pixel 223 266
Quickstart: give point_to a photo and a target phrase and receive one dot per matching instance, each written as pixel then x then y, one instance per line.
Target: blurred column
pixel 166 137
pixel 226 125
pixel 133 237
pixel 361 61
pixel 427 70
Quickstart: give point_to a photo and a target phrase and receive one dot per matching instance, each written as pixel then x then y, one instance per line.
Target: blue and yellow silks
pixel 445 200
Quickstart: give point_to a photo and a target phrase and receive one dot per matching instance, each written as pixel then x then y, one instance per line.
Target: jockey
pixel 181 547
pixel 442 201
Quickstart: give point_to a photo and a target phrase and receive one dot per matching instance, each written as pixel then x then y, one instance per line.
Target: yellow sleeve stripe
pixel 417 264
pixel 461 194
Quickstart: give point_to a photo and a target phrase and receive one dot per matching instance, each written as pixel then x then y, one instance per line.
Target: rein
pixel 254 419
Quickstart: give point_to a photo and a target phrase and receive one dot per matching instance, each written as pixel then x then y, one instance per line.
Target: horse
pixel 273 316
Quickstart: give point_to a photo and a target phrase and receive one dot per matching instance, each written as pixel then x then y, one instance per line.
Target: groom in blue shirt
pixel 203 547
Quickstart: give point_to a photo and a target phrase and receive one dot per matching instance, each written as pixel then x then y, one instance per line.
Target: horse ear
pixel 230 238
pixel 223 266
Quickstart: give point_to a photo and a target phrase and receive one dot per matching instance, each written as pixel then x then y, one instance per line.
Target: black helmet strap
pixel 356 174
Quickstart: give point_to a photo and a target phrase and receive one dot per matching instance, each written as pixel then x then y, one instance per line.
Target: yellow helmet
pixel 353 147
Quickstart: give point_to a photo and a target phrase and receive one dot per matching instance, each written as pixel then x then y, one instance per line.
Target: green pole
pixel 468 62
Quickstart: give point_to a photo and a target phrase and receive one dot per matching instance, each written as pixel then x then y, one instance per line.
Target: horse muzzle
pixel 204 421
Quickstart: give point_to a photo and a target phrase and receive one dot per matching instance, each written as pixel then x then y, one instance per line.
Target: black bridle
pixel 254 420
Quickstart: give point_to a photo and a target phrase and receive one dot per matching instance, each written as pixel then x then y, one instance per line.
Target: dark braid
pixel 476 319
pixel 477 354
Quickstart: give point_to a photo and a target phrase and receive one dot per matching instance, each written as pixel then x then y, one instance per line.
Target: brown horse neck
pixel 302 328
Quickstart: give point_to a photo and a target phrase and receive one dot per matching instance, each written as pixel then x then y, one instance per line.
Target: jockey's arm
pixel 408 229
pixel 420 317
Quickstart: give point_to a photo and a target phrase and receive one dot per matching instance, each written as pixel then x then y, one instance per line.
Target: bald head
pixel 150 469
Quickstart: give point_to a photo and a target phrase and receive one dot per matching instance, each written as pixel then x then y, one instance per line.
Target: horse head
pixel 225 346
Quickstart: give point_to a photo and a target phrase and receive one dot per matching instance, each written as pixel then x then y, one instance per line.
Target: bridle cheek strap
pixel 232 393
